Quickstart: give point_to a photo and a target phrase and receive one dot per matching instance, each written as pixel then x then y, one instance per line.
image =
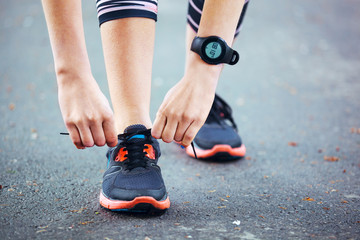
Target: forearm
pixel 218 18
pixel 65 26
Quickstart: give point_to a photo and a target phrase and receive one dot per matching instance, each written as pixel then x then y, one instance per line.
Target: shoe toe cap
pixel 211 135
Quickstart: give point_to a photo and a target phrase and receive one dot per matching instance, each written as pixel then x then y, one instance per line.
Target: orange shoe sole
pixel 138 201
pixel 221 150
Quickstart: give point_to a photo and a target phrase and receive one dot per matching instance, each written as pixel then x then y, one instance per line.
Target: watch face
pixel 213 50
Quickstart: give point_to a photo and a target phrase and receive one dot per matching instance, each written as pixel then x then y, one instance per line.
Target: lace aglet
pixel 192 145
pixel 64 133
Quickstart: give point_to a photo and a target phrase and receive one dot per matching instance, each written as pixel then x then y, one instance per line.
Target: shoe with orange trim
pixel 218 139
pixel 133 181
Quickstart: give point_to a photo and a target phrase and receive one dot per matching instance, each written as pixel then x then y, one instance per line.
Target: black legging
pixel 115 9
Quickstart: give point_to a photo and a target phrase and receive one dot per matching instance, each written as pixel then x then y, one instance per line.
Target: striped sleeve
pixel 115 9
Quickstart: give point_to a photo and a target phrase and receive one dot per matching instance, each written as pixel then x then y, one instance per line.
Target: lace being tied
pixel 135 148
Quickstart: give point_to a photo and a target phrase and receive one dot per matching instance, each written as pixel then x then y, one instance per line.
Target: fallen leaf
pixel 283 208
pixel 211 191
pixel 355 130
pixel 237 228
pixel 224 200
pixel 11 106
pixel 326 208
pixel 331 158
pixel 86 222
pixel 227 196
pixel 266 176
pixel 344 201
pixel 76 211
pixel 11 189
pixel 222 207
pixel 262 216
pixel 308 199
pixel 186 202
pixel 293 144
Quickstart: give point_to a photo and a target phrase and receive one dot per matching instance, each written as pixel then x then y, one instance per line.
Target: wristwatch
pixel 214 50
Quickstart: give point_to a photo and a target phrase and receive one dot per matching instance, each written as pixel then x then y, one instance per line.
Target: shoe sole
pixel 218 152
pixel 138 204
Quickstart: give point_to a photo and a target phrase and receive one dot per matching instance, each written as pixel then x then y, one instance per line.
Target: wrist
pixel 198 73
pixel 68 76
pixel 196 65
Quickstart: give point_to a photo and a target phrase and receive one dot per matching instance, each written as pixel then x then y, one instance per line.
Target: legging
pixel 115 9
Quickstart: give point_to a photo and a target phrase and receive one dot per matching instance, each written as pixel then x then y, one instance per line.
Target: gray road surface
pixel 297 83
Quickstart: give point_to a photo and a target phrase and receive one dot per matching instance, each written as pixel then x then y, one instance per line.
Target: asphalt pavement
pixel 295 97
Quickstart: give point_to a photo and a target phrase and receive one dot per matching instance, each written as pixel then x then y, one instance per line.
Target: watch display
pixel 213 50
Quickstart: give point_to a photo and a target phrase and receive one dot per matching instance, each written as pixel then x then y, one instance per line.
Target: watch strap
pixel 231 56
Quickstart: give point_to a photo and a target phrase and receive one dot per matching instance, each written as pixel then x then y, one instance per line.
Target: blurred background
pixel 295 97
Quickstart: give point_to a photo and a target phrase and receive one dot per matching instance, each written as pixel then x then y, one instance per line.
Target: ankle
pixel 122 124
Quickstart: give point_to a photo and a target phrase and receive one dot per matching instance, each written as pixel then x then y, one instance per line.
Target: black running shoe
pixel 133 181
pixel 218 138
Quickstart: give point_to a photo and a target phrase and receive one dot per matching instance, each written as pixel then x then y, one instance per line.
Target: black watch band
pixel 214 50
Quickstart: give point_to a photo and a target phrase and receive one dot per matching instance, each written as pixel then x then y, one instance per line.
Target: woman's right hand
pixel 86 111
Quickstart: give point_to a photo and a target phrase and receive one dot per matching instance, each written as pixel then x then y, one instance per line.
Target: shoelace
pixel 147 134
pixel 220 111
pixel 135 148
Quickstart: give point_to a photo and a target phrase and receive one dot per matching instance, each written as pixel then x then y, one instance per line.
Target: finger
pixel 169 130
pixel 181 129
pixel 110 133
pixel 158 126
pixel 191 133
pixel 98 134
pixel 85 135
pixel 75 136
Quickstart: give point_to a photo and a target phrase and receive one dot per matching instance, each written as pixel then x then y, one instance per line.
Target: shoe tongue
pixel 133 129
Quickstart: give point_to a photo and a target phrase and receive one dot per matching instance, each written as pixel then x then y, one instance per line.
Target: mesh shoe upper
pixel 132 167
pixel 219 127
